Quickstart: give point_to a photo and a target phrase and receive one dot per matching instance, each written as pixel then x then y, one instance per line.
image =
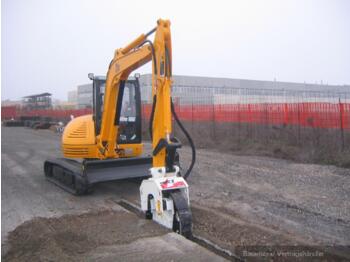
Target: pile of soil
pixel 73 237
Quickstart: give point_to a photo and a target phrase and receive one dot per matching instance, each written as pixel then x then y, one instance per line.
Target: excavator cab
pixel 129 113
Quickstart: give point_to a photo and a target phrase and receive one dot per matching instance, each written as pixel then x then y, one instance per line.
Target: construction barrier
pixel 8 112
pixel 58 114
pixel 320 115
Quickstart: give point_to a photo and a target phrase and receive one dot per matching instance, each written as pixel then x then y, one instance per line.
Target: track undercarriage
pixel 78 178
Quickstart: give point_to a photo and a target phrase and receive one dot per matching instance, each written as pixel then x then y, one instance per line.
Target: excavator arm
pixel 164 196
pixel 118 72
pixel 126 60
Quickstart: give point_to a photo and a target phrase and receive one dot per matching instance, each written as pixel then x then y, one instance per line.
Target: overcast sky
pixel 53 45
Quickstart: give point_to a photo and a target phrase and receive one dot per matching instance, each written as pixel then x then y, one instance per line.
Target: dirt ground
pixel 238 202
pixel 258 201
pixel 100 236
pixel 72 237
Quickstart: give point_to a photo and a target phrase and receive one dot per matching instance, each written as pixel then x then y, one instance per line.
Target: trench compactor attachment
pixel 107 145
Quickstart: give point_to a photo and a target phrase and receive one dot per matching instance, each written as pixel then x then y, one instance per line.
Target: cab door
pixel 130 114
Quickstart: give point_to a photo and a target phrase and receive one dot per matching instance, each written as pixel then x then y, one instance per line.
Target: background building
pixel 72 96
pixel 39 101
pixel 84 96
pixel 8 102
pixel 212 90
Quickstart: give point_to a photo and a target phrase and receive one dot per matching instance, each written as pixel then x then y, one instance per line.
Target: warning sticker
pixel 169 183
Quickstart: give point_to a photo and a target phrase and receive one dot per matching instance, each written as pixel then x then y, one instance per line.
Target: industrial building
pixel 72 96
pixel 208 90
pixel 39 101
pixel 84 96
pixel 9 102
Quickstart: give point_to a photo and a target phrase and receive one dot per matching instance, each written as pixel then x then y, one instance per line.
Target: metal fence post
pixel 266 124
pixel 341 114
pixel 239 124
pixel 299 123
pixel 192 115
pixel 213 120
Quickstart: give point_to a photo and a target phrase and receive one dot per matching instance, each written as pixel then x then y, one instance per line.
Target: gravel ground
pixel 237 201
pixel 41 222
pixel 242 201
pixel 309 202
pixel 101 236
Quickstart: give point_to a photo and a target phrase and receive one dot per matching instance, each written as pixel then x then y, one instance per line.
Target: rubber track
pixel 66 175
pixel 184 226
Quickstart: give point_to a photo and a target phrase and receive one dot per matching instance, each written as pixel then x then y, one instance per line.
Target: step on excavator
pixel 107 145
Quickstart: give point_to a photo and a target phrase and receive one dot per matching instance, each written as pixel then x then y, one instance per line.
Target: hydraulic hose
pixel 150 128
pixel 190 141
pixel 183 129
pixel 153 54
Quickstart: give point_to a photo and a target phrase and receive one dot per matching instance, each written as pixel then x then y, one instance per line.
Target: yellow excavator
pixel 107 145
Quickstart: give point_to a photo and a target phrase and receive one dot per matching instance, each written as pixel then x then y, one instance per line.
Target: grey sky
pixel 53 45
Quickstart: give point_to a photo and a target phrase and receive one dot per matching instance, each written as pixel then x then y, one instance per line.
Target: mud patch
pixel 73 237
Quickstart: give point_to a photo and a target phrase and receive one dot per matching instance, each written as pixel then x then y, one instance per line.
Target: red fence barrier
pixel 57 113
pixel 321 115
pixel 8 112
